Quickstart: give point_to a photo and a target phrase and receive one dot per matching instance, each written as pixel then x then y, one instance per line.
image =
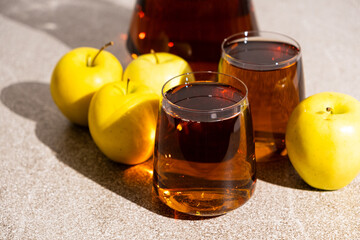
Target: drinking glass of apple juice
pixel 204 159
pixel 271 67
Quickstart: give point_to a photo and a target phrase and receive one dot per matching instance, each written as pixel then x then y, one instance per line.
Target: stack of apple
pixel 90 89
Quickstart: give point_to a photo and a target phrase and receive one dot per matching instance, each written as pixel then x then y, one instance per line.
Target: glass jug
pixel 192 29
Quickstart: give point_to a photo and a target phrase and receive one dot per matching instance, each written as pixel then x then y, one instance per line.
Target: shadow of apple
pixel 74 146
pixel 282 173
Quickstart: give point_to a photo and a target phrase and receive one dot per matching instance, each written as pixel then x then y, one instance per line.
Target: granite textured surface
pixel 55 183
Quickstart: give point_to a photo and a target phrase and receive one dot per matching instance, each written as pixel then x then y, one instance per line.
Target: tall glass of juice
pixel 270 65
pixel 204 159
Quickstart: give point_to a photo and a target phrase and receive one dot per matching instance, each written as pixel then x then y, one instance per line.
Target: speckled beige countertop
pixel 54 182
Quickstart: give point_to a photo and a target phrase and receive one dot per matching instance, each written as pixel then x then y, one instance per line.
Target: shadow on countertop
pixel 282 173
pixel 74 147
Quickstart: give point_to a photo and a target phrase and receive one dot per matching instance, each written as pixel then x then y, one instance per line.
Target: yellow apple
pixel 122 121
pixel 154 69
pixel 77 77
pixel 323 140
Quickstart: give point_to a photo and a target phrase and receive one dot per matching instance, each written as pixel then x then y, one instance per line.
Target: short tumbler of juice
pixel 204 158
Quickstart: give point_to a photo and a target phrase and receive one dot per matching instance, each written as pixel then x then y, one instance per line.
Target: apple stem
pixel 101 49
pixel 329 109
pixel 156 58
pixel 127 85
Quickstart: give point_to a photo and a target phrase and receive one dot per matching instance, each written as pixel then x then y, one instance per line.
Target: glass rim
pixel 215 110
pixel 238 37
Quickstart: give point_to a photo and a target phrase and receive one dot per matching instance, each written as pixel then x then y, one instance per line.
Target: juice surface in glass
pixel 204 163
pixel 271 68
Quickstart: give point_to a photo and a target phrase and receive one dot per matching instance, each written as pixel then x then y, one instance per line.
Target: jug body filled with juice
pixel 191 29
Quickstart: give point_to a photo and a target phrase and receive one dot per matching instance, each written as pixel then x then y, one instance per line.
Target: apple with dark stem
pixel 323 140
pixel 78 75
pixel 154 69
